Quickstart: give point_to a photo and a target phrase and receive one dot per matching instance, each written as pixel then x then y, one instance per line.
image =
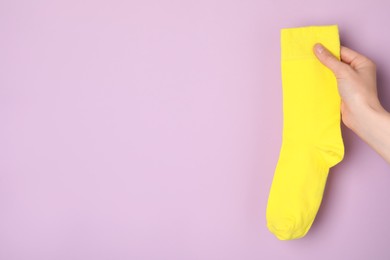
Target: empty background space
pixel 151 130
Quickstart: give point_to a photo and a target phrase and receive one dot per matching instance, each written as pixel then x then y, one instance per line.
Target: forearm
pixel 373 126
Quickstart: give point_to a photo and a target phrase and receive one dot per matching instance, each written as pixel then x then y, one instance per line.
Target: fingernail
pixel 319 48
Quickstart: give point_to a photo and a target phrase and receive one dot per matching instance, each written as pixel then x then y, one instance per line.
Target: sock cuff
pixel 297 43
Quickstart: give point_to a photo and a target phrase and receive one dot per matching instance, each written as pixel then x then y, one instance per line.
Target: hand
pixel 356 79
pixel 360 107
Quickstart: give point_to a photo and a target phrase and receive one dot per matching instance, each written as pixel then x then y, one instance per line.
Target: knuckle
pixel 371 64
pixel 368 63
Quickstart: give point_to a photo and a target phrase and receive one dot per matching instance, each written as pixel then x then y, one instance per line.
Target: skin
pixel 361 110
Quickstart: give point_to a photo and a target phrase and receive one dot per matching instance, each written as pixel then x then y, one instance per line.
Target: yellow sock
pixel 312 141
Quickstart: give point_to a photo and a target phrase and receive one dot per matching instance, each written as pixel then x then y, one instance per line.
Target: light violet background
pixel 151 129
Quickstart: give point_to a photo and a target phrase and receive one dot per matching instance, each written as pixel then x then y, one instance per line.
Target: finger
pixel 329 60
pixel 355 59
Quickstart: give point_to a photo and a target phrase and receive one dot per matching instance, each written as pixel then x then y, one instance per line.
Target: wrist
pixel 359 110
pixel 365 119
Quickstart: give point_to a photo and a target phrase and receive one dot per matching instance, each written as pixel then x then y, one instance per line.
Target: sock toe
pixel 282 228
pixel 286 229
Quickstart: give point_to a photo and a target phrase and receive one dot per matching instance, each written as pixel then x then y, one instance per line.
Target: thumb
pixel 329 60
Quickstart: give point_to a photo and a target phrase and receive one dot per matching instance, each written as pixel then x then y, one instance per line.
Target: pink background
pixel 151 130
